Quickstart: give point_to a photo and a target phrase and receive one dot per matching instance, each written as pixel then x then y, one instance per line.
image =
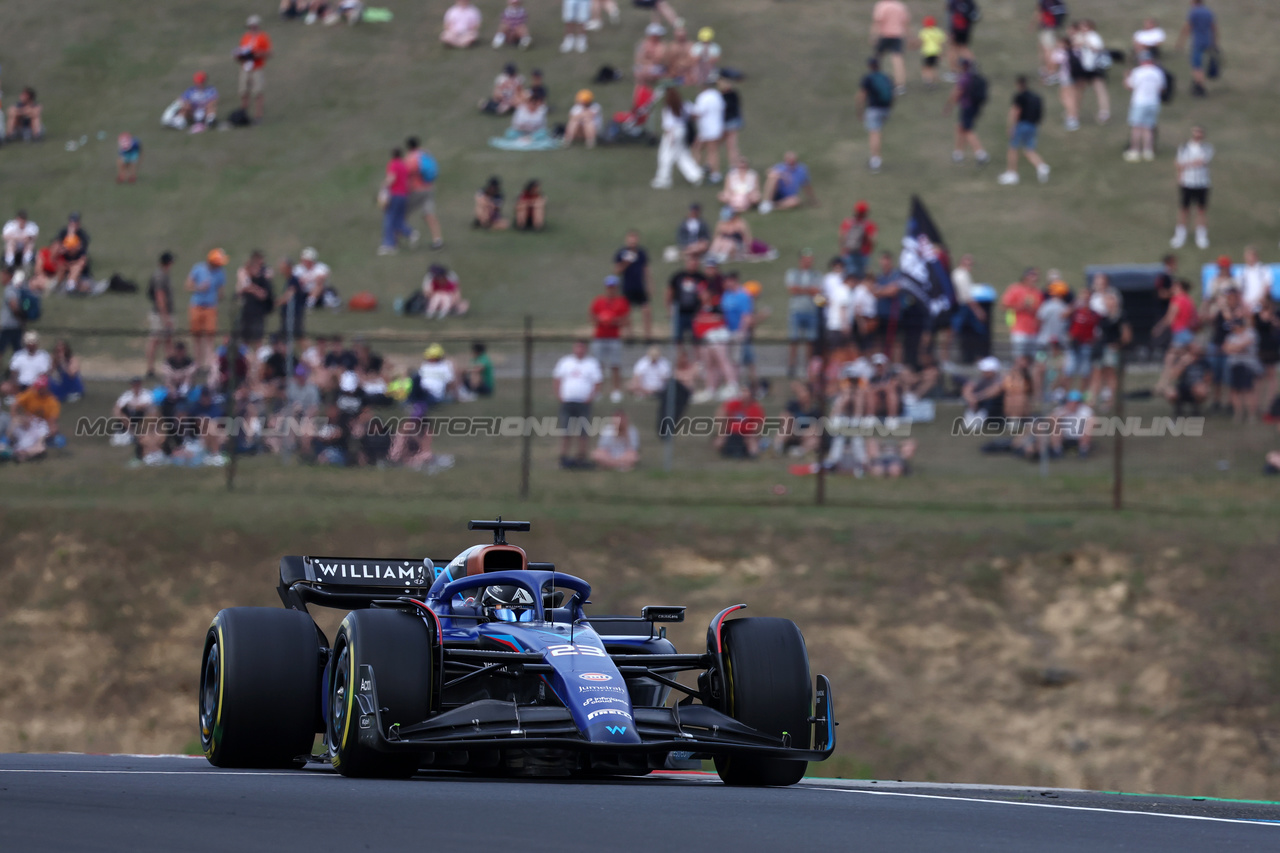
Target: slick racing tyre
pixel 260 688
pixel 767 687
pixel 397 646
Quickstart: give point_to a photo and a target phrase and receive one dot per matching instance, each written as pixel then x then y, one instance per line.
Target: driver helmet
pixel 509 603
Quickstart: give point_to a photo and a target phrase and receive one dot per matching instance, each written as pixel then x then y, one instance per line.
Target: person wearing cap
pixel 709 110
pixel 1025 114
pixel 875 100
pixel 706 56
pixel 631 265
pixel 890 23
pixel 931 39
pixel 462 23
pixel 785 183
pixel 513 26
pixel 437 381
pixel 1194 157
pixel 576 14
pixel 578 378
pixel 584 120
pixel 29 363
pixel 205 283
pixel 252 54
pixel 199 104
pixel 803 283
pixel 857 239
pixel 1146 82
pixel 160 317
pixel 611 313
pixel 19 237
pixel 984 394
pixel 1053 338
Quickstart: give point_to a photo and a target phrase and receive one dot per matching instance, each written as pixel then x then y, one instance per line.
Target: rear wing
pixel 352 582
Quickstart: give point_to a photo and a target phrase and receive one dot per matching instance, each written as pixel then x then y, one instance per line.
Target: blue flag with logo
pixel 925 263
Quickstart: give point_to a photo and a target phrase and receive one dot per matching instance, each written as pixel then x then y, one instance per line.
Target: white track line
pixel 1036 805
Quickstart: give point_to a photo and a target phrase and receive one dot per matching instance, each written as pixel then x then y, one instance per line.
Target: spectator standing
pixel 875 100
pixel 803 284
pixel 1067 64
pixel 709 109
pixel 160 317
pixel 684 298
pixel 1201 28
pixel 969 95
pixel 1150 38
pixel 128 155
pixel 205 283
pixel 1194 157
pixel 611 313
pixel 890 23
pixel 631 265
pixel 1255 281
pixel 396 185
pixel 732 115
pixel 1094 62
pixel 461 25
pixel 254 50
pixel 857 240
pixel 293 303
pixel 932 39
pixel 784 184
pixel 738 307
pixel 576 14
pixel 19 236
pixel 1024 129
pixel 969 315
pixel 673 150
pixel 65 381
pixel 257 300
pixel 578 379
pixel 1146 82
pixel 1050 16
pixel 962 15
pixel 423 173
pixel 706 55
pixel 837 316
pixel 1242 368
pixel 1023 298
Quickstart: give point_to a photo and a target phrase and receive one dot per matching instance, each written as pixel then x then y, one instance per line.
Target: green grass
pixel 339 98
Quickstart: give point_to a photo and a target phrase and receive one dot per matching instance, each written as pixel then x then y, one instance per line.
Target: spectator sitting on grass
pixel 584 120
pixel 692 237
pixel 64 376
pixel 743 419
pixel 27 436
pixel 411 446
pixel 529 119
pixel 618 448
pixel 196 109
pixel 508 90
pixel 1071 426
pixel 732 238
pixel 178 370
pixel 39 402
pixel 461 24
pixel 26 117
pixel 478 377
pixel 880 395
pixel 131 405
pixel 313 276
pixel 649 375
pixel 706 56
pixel 437 380
pixel 1189 379
pixel 784 185
pixel 680 61
pixel 513 26
pixel 741 187
pixel 531 207
pixel 651 57
pixel 440 287
pixel 29 363
pixel 889 459
pixel 20 235
pixel 984 394
pixel 73 256
pixel 489 206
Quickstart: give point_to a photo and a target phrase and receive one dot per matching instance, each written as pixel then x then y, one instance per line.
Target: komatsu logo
pixel 370 571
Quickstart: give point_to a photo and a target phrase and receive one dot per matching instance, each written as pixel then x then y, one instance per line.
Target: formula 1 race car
pixel 489 664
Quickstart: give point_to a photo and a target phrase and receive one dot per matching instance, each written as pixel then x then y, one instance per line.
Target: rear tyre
pixel 397 646
pixel 767 687
pixel 260 688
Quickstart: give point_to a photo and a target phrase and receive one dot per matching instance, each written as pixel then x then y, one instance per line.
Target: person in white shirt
pixel 28 434
pixel 837 298
pixel 1146 82
pixel 1194 157
pixel 29 363
pixel 741 187
pixel 1071 425
pixel 578 377
pixel 1150 38
pixel 708 107
pixel 862 312
pixel 705 53
pixel 584 120
pixel 313 276
pixel 650 374
pixel 20 240
pixel 436 376
pixel 672 150
pixel 1255 280
pixel 461 24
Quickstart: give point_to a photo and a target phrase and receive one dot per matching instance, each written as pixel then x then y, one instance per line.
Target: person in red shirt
pixel 743 420
pixel 1082 332
pixel 396 187
pixel 612 313
pixel 857 240
pixel 1023 298
pixel 252 54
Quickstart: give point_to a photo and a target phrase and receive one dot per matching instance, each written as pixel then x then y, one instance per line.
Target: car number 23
pixel 588 651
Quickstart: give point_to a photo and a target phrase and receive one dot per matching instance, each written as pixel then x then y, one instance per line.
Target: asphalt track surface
pixel 170 803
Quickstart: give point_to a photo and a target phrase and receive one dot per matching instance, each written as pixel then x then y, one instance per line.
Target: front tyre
pixel 260 688
pixel 397 646
pixel 767 687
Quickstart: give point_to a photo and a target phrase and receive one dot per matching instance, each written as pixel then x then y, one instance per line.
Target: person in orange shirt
pixel 39 401
pixel 1023 298
pixel 255 48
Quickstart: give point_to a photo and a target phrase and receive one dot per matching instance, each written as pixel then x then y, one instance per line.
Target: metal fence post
pixel 526 449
